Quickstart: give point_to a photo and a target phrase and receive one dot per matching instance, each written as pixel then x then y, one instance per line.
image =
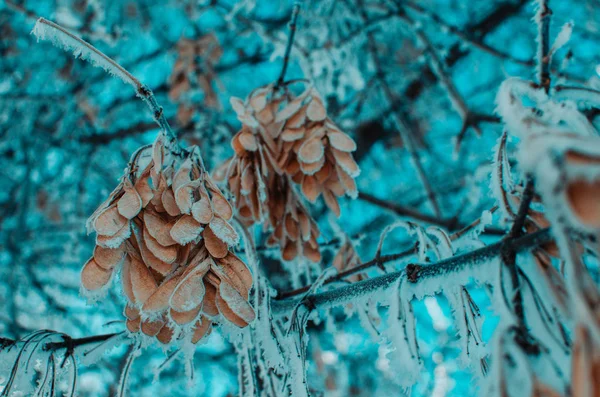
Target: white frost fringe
pixel 61 38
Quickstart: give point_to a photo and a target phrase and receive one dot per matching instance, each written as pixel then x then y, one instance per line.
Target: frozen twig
pixel 587 95
pixel 416 274
pixel 354 270
pixel 60 37
pixel 72 343
pixel 290 42
pixel 41 342
pixel 509 255
pixel 379 260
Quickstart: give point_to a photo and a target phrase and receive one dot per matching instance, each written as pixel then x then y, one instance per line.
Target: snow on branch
pixel 424 279
pixel 59 351
pixel 62 38
pixel 588 96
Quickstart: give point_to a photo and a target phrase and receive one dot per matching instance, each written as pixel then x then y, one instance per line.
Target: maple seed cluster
pixel 167 227
pixel 286 138
pixel 194 68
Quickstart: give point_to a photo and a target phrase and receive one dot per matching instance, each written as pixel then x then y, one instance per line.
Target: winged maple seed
pixel 574 184
pixel 294 229
pixel 167 227
pixel 585 365
pixel 286 137
pixel 347 258
pixel 583 188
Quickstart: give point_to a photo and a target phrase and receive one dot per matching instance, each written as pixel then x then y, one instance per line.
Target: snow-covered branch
pixel 423 279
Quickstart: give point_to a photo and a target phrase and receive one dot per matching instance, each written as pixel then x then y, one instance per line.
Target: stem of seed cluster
pixel 288 48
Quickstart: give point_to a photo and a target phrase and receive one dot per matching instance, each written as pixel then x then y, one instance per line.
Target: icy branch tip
pixel 38 30
pixel 62 38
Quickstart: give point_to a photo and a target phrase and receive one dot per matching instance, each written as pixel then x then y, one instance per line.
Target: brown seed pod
pixel 165 226
pixel 585 364
pixel 294 230
pixel 194 67
pixel 583 199
pixel 94 277
pixel 202 328
pixel 286 137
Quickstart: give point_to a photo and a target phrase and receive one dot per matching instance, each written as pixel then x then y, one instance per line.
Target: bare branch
pixel 407 133
pixel 542 18
pixel 409 212
pixel 288 48
pixel 469 118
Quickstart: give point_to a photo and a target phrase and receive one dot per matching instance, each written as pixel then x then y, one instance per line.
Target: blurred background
pixel 67 130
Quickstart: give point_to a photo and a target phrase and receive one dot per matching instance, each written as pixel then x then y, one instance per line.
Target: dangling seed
pixel 93 277
pixel 186 230
pixel 130 204
pixel 110 221
pixel 215 246
pixel 201 329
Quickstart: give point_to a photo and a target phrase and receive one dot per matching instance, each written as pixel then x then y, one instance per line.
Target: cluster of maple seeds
pixel 194 67
pixel 167 224
pixel 294 229
pixel 286 137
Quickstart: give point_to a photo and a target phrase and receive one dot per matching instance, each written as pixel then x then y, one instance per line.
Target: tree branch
pixel 468 117
pixel 380 260
pixel 409 212
pixel 465 36
pixel 509 254
pixel 543 54
pixel 47 30
pixel 417 275
pixel 479 30
pixel 72 343
pixel 407 133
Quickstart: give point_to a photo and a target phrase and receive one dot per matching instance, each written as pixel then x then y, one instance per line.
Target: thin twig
pixel 354 270
pixel 114 68
pixel 290 42
pixel 509 255
pixel 465 36
pixel 578 94
pixel 543 53
pixel 409 212
pixel 379 260
pixel 71 343
pixel 468 117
